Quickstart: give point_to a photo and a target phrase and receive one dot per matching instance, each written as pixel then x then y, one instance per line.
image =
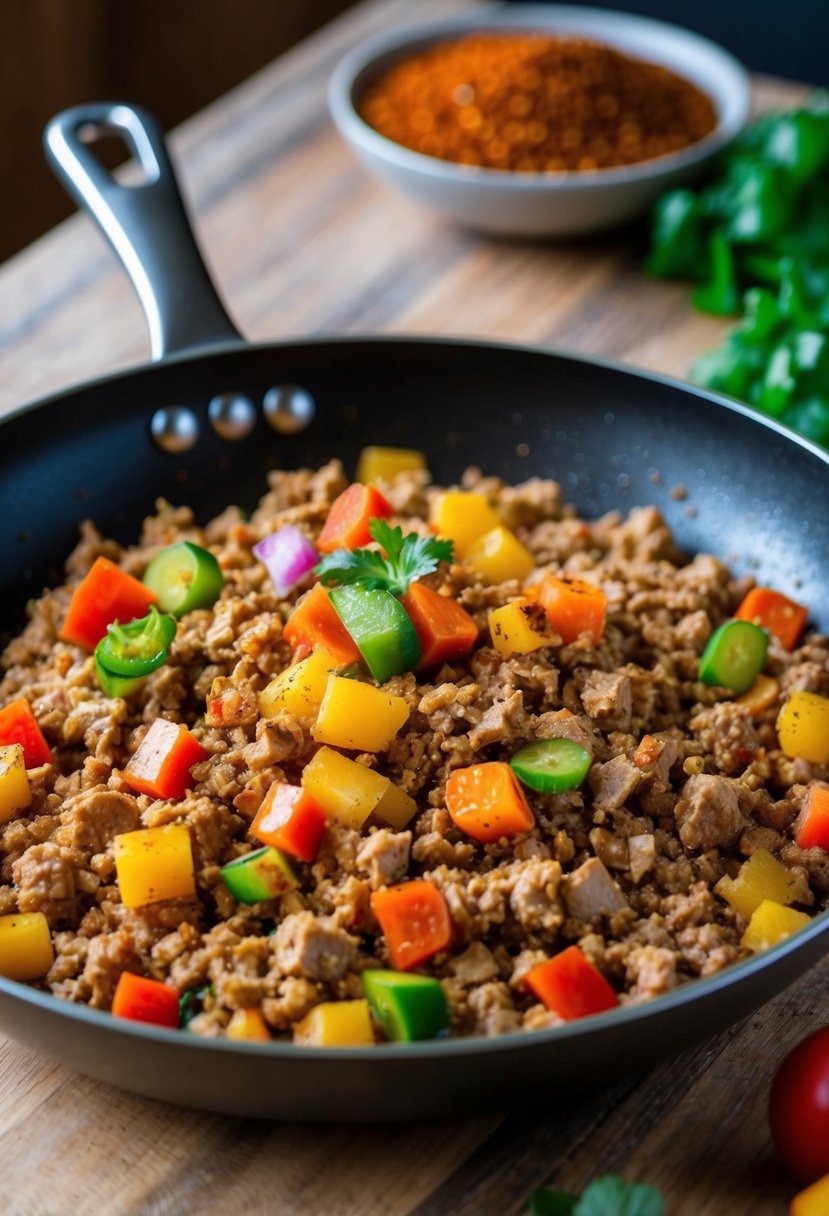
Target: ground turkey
pixel 684 783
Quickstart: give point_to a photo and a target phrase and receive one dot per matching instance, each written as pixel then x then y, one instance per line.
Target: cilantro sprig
pixel 608 1196
pixel 403 560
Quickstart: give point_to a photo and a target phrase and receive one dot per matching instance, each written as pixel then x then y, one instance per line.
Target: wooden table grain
pixel 303 241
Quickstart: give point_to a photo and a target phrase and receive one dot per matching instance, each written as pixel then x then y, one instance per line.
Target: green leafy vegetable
pixel 404 560
pixel 611 1196
pixel 756 238
pixel 608 1196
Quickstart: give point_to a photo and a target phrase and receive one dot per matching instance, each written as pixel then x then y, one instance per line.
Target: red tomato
pixel 799 1108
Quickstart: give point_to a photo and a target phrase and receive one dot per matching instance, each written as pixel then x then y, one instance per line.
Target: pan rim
pixel 231 347
pixel 471 1045
pixel 694 990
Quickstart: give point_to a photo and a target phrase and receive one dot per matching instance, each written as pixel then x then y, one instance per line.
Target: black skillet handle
pixel 146 224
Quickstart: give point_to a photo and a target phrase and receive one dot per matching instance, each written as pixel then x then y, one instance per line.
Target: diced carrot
pixel 415 921
pixel 144 1000
pixel 571 986
pixel 783 617
pixel 761 696
pixel 347 524
pixel 648 751
pixel 445 629
pixel 19 725
pixel 486 802
pixel 290 819
pixel 574 607
pixel 314 622
pixel 106 594
pixel 812 826
pixel 161 765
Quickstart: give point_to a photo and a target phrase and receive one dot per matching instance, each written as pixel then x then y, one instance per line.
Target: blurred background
pixel 177 55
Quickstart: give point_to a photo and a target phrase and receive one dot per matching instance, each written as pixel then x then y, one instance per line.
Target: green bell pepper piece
pixel 381 628
pixel 761 316
pixel 137 648
pixel 793 299
pixel 735 656
pixel 184 577
pixel 407 1006
pixel 810 418
pixel 779 383
pixel 799 143
pixel 117 686
pixel 259 876
pixel 762 204
pixel 721 296
pixel 678 246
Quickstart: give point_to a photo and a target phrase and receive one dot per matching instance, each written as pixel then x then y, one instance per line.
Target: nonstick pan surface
pixel 756 496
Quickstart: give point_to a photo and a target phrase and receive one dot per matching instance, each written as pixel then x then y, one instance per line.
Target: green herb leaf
pixel 345 566
pixel 404 560
pixel 611 1196
pixel 190 1003
pixel 552 1203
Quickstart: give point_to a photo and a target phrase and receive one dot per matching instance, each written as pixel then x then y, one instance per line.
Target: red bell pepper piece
pixel 445 630
pixel 19 725
pixel 143 1000
pixel 778 614
pixel 161 765
pixel 290 819
pixel 571 986
pixel 315 622
pixel 812 826
pixel 106 594
pixel 347 524
pixel 415 920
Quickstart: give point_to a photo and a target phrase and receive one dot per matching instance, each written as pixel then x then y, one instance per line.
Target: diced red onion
pixel 288 555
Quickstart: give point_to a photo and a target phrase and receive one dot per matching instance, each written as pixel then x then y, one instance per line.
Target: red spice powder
pixel 536 104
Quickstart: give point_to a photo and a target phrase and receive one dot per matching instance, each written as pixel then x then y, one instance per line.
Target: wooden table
pixel 303 241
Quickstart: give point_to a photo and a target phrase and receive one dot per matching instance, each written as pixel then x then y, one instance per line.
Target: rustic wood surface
pixel 303 241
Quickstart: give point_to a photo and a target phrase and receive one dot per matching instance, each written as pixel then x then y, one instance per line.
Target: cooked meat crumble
pixel 684 785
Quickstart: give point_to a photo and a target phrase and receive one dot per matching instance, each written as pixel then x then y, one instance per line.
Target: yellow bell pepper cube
pixel 358 716
pixel 814 1201
pixel 154 864
pixel 15 790
pixel 463 517
pixel 384 464
pixel 770 923
pixel 395 808
pixel 499 555
pixel 336 1024
pixel 803 727
pixel 299 689
pixel 248 1024
pixel 520 628
pixel 25 946
pixel 761 878
pixel 344 789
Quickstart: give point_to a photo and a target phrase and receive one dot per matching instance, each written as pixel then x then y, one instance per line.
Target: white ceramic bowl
pixel 550 204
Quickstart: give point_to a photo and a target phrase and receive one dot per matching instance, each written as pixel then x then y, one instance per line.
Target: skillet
pixel 107 449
